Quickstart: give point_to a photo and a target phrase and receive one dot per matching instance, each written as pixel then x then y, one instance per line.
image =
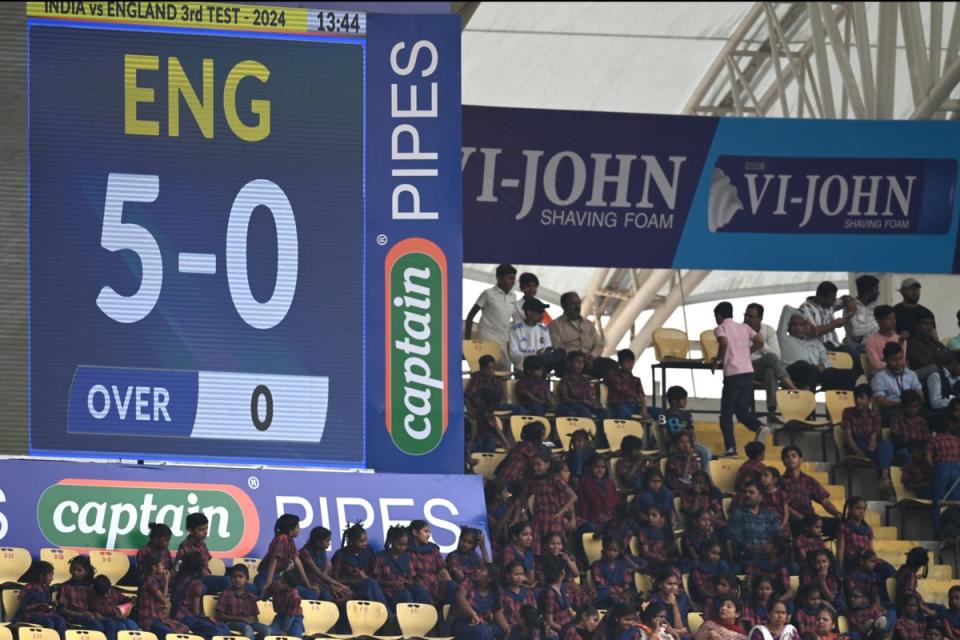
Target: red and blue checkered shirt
pixel 906 584
pixel 861 620
pixel 856 538
pixel 805 620
pixel 549 496
pixel 106 605
pixel 183 597
pixel 803 544
pixel 556 605
pixel 909 430
pixel 575 389
pixel 283 549
pixel 533 391
pixel 286 600
pixel 162 555
pixel 801 492
pixel 152 605
pixel 75 595
pixel 623 386
pixel 483 606
pixel 511 602
pixel 237 604
pixel 909 629
pixel 426 563
pixel 861 426
pixel 748 469
pixel 776 572
pixel 945 448
pixel 192 545
pixel 394 574
pixel 679 470
pixel 514 466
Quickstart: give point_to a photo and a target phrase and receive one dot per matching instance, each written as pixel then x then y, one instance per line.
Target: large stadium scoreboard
pixel 208 232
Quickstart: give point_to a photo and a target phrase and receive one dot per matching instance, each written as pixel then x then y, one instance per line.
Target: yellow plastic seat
pixel 935 590
pixel 11 600
pixel 210 606
pixel 796 405
pixel 840 359
pixel 112 564
pixel 37 633
pixel 14 562
pixel 670 345
pixel 592 548
pixel 616 430
pixel 567 426
pixel 486 463
pixel 842 625
pixel 182 636
pixel 940 572
pixel 906 498
pixel 365 617
pixel 5 632
pixel 136 635
pixel 60 559
pixel 694 620
pixel 266 612
pixel 416 620
pixel 250 563
pixel 277 637
pixel 723 472
pixel 642 581
pixel 319 616
pixel 517 422
pixel 709 345
pixel 219 568
pixel 473 350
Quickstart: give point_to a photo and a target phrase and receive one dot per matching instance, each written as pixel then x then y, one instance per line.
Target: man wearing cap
pixel 890 382
pixel 910 310
pixel 532 338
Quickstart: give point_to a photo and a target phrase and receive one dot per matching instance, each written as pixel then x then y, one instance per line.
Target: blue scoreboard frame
pixel 199 242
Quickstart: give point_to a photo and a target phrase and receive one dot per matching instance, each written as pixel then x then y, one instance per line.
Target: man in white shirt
pixel 806 358
pixel 499 307
pixel 860 320
pixel 532 338
pixel 819 309
pixel 768 366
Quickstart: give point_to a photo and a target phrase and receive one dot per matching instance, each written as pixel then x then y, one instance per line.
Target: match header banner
pixel 76 505
pixel 244 235
pixel 637 190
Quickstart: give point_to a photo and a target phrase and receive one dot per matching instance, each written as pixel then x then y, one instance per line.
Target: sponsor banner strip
pixel 80 506
pixel 638 190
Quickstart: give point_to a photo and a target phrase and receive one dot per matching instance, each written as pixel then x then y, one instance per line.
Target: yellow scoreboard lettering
pixel 247 69
pixel 179 85
pixel 201 109
pixel 134 94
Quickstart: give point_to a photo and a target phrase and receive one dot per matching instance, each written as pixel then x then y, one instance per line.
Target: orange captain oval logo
pixel 415 307
pixel 85 513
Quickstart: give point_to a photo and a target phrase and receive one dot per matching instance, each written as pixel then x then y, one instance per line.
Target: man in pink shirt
pixel 737 342
pixel 887 322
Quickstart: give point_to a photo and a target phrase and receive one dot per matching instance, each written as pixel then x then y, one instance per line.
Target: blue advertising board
pixel 638 190
pixel 75 505
pixel 212 194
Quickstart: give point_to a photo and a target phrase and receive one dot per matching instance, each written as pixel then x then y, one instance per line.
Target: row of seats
pixel 365 618
pixel 14 562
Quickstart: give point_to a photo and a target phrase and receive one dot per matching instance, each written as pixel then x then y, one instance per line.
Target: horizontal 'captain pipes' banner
pixel 79 506
pixel 626 190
